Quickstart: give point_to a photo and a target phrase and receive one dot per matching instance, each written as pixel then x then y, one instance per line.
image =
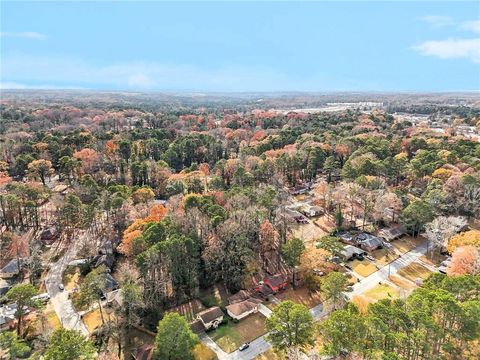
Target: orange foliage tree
pixel 156 213
pixel 471 237
pixel 465 260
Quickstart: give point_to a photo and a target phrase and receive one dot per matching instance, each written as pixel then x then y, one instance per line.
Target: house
pixel 114 298
pixel 276 282
pixel 350 252
pixel 238 297
pixel 370 244
pixel 11 269
pixel 299 190
pixel 211 318
pixel 242 309
pixel 4 286
pixel 311 211
pixel 347 238
pixel 392 233
pixel 49 235
pixel 7 316
pixel 110 283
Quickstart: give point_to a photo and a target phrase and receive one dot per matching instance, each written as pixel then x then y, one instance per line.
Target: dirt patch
pixel 309 233
pixel 414 271
pixel 362 302
pixel 231 335
pixel 71 278
pixel 300 295
pixel 93 319
pixel 383 256
pixel 407 243
pixel 325 223
pixel 363 268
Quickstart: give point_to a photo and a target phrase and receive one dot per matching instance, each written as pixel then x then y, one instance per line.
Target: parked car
pixel 61 287
pixel 244 346
pixel 370 257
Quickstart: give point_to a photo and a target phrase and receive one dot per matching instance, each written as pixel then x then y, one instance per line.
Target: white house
pixel 211 318
pixel 243 308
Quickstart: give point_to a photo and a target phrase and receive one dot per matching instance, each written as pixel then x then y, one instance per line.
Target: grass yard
pixel 407 243
pixel 383 256
pixel 377 293
pixel 434 259
pixel 363 268
pixel 203 352
pixel 271 355
pixel 402 282
pixel 414 271
pixel 382 291
pixel 231 335
pixel 301 296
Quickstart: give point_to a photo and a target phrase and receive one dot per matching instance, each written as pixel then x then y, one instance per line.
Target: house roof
pixel 242 307
pixel 210 314
pixel 12 267
pixel 392 233
pixel 276 280
pixel 349 250
pixel 239 296
pixel 265 290
pixel 111 283
pixel 115 296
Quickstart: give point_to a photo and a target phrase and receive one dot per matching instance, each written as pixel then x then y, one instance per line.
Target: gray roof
pixel 12 267
pixel 210 314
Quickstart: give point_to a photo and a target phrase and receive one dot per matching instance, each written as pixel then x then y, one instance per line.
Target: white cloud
pixel 451 49
pixel 473 25
pixel 438 21
pixel 26 35
pixel 27 69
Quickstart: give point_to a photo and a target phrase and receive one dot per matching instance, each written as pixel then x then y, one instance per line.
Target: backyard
pixel 230 336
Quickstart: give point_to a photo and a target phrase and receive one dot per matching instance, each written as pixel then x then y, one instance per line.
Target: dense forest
pixel 175 197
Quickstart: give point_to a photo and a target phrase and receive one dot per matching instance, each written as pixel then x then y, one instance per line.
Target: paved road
pixel 63 306
pixel 384 272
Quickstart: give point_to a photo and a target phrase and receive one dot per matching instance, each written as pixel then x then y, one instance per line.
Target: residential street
pixel 63 306
pixel 260 345
pixel 383 273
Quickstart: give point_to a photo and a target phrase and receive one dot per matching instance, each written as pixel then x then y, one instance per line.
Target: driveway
pixel 62 305
pixel 384 272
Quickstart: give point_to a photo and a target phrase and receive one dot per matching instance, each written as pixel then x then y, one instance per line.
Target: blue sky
pixel 249 46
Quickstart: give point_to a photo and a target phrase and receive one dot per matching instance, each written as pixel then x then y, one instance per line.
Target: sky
pixel 241 46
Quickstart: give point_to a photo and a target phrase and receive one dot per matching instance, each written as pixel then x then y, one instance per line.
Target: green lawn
pixel 231 335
